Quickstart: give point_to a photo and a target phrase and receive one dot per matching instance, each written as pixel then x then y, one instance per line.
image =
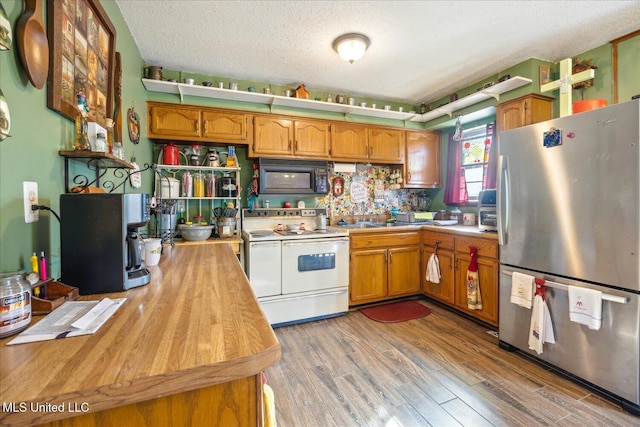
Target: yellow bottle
pixel 198 185
pixel 34 262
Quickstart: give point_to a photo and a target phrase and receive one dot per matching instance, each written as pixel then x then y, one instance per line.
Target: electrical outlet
pixel 30 192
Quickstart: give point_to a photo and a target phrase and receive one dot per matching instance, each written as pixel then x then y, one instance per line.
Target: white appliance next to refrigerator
pixel 297 276
pixel 569 213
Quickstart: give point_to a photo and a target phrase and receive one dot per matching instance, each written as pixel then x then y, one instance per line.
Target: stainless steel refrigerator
pixel 569 212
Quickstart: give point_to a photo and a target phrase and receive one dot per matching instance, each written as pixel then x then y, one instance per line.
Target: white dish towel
pixel 522 286
pixel 585 307
pixel 541 327
pixel 433 269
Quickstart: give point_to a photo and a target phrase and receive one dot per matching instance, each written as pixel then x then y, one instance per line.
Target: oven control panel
pixel 282 212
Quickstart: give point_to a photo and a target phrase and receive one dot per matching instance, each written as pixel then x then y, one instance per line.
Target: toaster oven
pixel 487 218
pixel 487 212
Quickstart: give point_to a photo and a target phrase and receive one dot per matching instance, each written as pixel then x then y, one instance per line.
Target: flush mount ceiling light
pixel 351 47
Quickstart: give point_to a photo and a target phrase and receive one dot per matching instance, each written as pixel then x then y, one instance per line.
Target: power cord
pixel 45 208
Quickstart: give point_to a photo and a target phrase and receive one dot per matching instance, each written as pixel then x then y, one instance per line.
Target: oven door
pixel 263 267
pixel 314 264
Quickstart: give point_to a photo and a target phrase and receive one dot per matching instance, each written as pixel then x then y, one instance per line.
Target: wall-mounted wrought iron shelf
pixel 99 162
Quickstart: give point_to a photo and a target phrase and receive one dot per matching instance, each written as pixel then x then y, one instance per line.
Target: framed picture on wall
pixel 544 74
pixel 82 43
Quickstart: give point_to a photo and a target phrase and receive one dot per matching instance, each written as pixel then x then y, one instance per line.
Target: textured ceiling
pixel 420 50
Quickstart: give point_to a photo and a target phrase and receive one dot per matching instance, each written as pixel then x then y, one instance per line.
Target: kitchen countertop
pixel 195 325
pixel 468 230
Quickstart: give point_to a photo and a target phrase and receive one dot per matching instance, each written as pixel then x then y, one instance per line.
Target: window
pixel 471 164
pixel 475 147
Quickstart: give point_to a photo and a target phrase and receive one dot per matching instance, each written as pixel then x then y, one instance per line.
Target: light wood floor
pixel 440 370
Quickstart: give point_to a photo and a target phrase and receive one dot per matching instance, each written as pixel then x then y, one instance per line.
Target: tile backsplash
pixel 378 200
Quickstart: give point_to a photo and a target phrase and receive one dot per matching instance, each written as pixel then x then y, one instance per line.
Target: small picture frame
pixel 544 74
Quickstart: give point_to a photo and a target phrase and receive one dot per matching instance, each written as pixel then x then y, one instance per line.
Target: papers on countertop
pixel 443 222
pixel 73 318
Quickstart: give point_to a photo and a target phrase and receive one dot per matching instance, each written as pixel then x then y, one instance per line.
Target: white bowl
pixel 195 232
pixel 293 227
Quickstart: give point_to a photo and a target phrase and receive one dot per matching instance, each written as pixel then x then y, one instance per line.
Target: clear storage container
pixel 15 303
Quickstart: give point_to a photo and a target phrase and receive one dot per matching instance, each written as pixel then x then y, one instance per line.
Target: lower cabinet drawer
pixel 486 248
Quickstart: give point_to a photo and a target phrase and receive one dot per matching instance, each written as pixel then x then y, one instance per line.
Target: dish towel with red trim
pixel 585 307
pixel 541 327
pixel 522 289
pixel 474 298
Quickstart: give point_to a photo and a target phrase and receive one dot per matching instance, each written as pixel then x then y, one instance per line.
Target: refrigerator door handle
pixel 562 286
pixel 503 199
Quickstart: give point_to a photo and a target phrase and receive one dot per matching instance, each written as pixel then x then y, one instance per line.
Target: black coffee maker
pixel 99 242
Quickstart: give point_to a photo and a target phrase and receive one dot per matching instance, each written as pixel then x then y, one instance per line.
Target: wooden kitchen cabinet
pixel 173 122
pixel 367 275
pixel 386 145
pixel 404 270
pixel 224 126
pixel 488 277
pixel 383 266
pixel 442 244
pixel 422 160
pixel 454 257
pixel 351 142
pixel 271 137
pixel 195 124
pixel 311 139
pixel 488 267
pixel 278 137
pixel 523 111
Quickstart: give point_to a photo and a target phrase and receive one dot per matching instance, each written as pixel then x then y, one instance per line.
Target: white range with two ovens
pixel 296 276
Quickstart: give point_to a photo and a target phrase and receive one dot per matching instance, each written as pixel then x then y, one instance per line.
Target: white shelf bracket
pixel 181 94
pixel 493 95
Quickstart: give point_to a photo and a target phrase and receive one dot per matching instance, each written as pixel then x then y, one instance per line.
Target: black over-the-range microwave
pixel 284 176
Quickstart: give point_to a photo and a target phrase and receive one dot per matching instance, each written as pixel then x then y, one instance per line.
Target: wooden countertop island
pixel 188 348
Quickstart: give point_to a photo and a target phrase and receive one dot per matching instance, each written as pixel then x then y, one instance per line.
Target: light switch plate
pixel 30 195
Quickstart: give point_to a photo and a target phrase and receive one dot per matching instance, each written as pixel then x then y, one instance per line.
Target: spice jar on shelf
pixel 198 184
pixel 118 150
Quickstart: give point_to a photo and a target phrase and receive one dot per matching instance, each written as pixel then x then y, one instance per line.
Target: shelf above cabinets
pixel 491 92
pixel 182 89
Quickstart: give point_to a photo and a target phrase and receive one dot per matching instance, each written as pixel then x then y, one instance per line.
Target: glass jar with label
pixel 456 214
pixel 15 303
pixel 198 184
pixel 118 150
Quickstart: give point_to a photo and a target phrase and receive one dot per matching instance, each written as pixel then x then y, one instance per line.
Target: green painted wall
pixel 31 153
pixel 628 69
